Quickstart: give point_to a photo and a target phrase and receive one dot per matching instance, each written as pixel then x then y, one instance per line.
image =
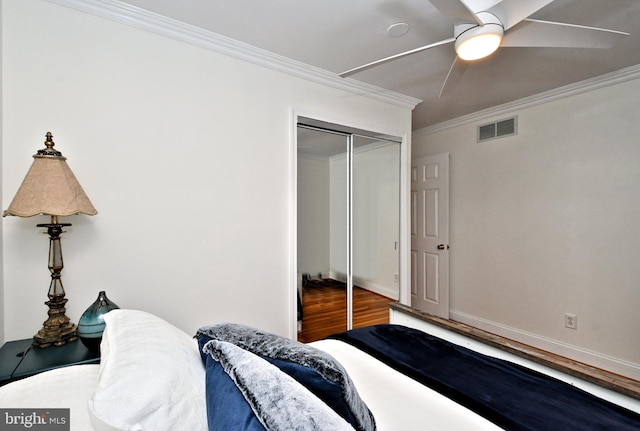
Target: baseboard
pixel 576 353
pixel 377 288
pixel 365 284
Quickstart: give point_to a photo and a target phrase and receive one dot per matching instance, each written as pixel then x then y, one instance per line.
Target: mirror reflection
pixel 348 201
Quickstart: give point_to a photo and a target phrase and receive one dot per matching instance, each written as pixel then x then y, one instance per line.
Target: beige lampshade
pixel 50 188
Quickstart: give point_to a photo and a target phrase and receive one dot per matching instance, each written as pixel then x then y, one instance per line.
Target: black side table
pixel 19 359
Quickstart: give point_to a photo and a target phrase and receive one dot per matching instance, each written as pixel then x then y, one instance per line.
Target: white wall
pixel 322 216
pixel 338 215
pixel 313 216
pixel 375 204
pixel 376 191
pixel 545 223
pixel 187 154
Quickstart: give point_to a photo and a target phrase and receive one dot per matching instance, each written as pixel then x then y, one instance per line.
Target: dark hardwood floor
pixel 324 310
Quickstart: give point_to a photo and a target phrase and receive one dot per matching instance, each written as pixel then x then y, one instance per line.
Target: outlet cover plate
pixel 571 321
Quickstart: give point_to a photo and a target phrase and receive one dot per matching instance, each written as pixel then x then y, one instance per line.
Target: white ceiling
pixel 337 35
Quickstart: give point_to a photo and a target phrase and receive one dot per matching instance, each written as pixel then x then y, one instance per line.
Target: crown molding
pixel 608 79
pixel 133 16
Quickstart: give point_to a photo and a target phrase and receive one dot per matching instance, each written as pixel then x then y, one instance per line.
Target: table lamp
pixel 50 188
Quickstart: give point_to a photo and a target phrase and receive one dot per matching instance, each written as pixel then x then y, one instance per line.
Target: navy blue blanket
pixel 509 395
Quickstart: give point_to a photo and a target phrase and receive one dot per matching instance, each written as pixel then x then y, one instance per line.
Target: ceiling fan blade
pixel 457 69
pixel 511 12
pixel 536 33
pixel 394 57
pixel 456 11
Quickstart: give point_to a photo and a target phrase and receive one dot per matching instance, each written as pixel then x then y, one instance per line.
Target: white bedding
pixel 397 401
pixel 68 387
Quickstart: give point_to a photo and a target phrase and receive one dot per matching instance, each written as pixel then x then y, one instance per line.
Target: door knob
pixel 442 246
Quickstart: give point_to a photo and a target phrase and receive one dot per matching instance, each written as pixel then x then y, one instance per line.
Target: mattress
pixel 68 387
pixel 397 401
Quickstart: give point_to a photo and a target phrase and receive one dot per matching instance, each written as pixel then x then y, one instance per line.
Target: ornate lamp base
pixel 57 329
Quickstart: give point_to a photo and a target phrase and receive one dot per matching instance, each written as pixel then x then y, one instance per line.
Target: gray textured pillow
pixel 278 401
pixel 283 349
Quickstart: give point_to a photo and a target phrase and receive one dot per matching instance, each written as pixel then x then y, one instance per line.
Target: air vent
pixel 498 129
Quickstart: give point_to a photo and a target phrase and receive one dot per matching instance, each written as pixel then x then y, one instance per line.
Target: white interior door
pixel 430 234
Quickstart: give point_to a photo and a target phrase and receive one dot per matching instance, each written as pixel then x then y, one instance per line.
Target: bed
pixel 153 376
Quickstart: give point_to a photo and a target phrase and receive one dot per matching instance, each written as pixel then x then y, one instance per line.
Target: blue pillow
pixel 227 409
pixel 276 401
pixel 313 368
pixel 326 390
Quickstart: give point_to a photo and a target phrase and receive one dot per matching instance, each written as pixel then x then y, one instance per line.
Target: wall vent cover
pixel 498 129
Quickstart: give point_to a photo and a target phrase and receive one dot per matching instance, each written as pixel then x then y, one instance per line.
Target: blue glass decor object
pixel 91 324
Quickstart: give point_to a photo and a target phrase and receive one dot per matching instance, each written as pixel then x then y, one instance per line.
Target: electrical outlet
pixel 571 321
pixel 395 277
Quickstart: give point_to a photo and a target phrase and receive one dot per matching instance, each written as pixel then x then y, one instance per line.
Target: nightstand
pixel 19 359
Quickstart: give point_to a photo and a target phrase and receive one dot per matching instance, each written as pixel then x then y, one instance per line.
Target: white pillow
pixel 151 376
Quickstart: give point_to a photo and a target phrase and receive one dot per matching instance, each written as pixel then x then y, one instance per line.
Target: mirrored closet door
pixel 348 200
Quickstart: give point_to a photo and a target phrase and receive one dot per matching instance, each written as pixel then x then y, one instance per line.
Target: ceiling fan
pixel 480 27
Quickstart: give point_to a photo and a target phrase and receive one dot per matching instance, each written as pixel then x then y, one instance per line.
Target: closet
pixel 348 209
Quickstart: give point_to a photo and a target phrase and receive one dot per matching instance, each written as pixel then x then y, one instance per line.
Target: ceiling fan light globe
pixel 474 41
pixel 475 47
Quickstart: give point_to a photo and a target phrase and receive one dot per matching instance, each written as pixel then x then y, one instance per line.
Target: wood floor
pixel 324 311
